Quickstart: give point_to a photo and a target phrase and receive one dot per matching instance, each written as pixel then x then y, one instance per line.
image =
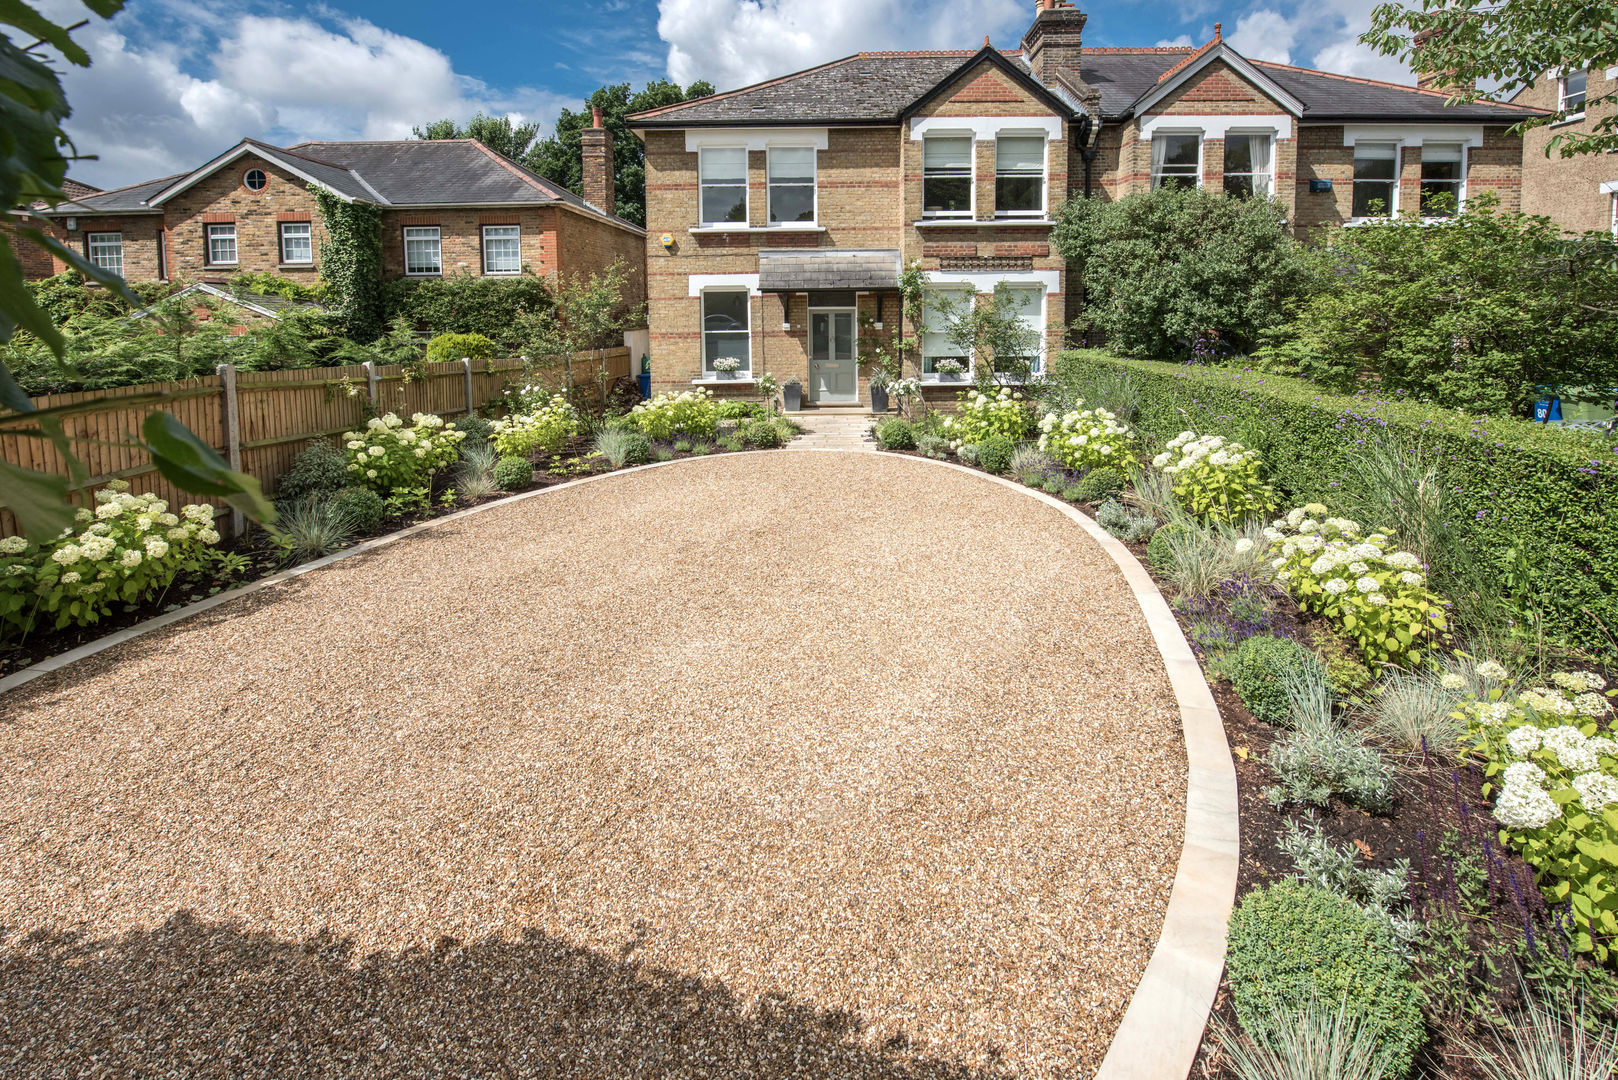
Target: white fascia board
pixel 986 128
pixel 1217 127
pixel 696 283
pixel 756 138
pixel 984 281
pixel 1413 134
pixel 231 155
pixel 1610 187
pixel 1221 51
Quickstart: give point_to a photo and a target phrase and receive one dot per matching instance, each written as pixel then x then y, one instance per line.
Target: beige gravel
pixel 799 764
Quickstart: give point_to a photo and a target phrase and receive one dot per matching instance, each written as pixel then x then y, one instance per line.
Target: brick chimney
pixel 599 187
pixel 1443 81
pixel 1054 44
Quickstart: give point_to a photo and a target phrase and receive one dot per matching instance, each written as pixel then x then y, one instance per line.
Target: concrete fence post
pixel 230 421
pixel 466 366
pixel 370 381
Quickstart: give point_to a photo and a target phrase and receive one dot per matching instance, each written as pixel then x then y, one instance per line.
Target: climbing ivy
pixel 351 262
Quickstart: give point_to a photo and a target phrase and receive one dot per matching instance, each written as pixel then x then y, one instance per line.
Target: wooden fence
pixel 259 421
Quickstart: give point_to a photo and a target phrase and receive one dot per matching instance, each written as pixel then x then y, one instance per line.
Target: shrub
pixel 1172 271
pixel 1216 479
pixel 895 434
pixel 933 446
pixel 464 304
pixel 1130 528
pixel 736 409
pixel 682 446
pixel 1384 895
pixel 1292 943
pixel 319 469
pixel 127 550
pixel 1375 596
pixel 1552 770
pixel 690 412
pixel 545 427
pixel 1160 551
pixel 311 527
pixel 1260 671
pixel 361 507
pixel 730 443
pixel 1099 484
pixel 450 347
pixel 981 415
pixel 762 434
pixel 968 453
pixel 1029 464
pixel 511 473
pixel 994 453
pixel 622 447
pixel 1071 493
pixel 1320 760
pixel 388 456
pixel 1088 439
pixel 1499 476
pixel 1347 674
pixel 1309 1041
pixel 1052 485
pixel 476 429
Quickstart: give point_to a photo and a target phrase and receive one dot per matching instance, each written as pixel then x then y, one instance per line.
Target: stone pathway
pixel 828 429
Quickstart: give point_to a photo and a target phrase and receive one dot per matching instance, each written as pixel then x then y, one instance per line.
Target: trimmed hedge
pixel 1537 501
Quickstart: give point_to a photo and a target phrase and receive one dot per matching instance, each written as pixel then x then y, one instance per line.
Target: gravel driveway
pixel 798 764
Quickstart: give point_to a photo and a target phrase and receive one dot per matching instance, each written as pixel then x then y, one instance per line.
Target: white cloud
pixel 1183 41
pixel 153 104
pixel 1264 35
pixel 735 42
pixel 1318 35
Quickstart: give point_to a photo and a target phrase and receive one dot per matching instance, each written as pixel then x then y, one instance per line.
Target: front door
pixel 833 367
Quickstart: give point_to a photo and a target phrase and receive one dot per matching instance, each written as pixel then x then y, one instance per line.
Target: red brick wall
pixel 257 216
pixel 142 235
pixel 460 234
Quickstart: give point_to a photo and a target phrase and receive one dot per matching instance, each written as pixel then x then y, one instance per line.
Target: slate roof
pixel 130 199
pixel 829 268
pixel 877 87
pixel 265 304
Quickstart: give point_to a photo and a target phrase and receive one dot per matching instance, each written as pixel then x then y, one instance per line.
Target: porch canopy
pixel 827 269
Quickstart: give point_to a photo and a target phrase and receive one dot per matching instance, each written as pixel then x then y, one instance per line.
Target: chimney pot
pixel 595 116
pixel 1218 31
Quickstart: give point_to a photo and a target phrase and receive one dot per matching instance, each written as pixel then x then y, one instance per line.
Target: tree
pixel 1511 43
pixel 991 328
pixel 587 313
pixel 34 154
pixel 560 157
pixel 498 133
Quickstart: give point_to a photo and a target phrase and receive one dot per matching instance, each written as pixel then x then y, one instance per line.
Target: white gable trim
pixel 229 156
pixel 1414 134
pixel 984 281
pixel 986 128
pixel 1221 51
pixel 1216 127
pixel 696 283
pixel 756 138
pixel 1610 187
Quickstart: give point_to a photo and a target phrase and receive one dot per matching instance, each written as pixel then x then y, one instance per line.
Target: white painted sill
pixel 1573 119
pixel 800 227
pixel 966 222
pixel 744 381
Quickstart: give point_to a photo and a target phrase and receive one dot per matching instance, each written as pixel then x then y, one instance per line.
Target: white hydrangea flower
pixel 1376 599
pixel 71 578
pixel 1368 585
pixel 1523 807
pixel 1603 745
pixel 208 536
pixel 1493 713
pixel 1523 740
pixel 1243 546
pixel 1593 681
pixel 1569 680
pixel 13 545
pixel 130 558
pixel 1452 681
pixel 1295 516
pixel 1524 774
pixel 1568 744
pixel 156 549
pixel 1336 586
pixel 1273 535
pixel 1590 704
pixel 1596 790
pixel 1402 560
pixel 1357 568
pixel 1412 579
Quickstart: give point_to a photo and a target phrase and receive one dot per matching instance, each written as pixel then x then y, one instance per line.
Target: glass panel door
pixel 833 366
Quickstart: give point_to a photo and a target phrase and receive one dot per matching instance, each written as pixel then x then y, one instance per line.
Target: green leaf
pixel 39 501
pixel 194 466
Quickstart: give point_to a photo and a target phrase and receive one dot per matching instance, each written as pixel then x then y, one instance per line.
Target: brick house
pixel 780 214
pixel 449 206
pixel 1579 193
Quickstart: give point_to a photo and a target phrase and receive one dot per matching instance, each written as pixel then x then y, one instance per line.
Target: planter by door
pixel 792 395
pixel 728 376
pixel 879 399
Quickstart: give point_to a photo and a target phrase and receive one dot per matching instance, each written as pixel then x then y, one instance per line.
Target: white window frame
pixel 483 235
pixel 971 177
pixel 218 230
pixel 950 350
pixel 437 237
pixel 1398 177
pixel 262 172
pixel 745 372
pixel 1466 169
pixel 1044 175
pixel 1157 175
pixel 1035 323
pixel 1270 173
pixel 747 188
pixel 770 185
pixel 281 238
pixel 112 255
pixel 1562 95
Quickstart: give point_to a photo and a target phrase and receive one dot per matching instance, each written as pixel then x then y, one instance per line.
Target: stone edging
pixel 1162 1028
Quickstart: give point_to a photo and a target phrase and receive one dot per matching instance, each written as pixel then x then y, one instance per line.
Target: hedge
pixel 1538 501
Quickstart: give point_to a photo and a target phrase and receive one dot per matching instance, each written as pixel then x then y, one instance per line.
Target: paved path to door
pixel 793 764
pixel 834 431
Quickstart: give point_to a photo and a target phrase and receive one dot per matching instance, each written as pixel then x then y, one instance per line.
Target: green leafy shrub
pixel 1321 759
pixel 933 446
pixel 730 443
pixel 319 469
pixel 690 412
pixel 361 507
pixel 467 304
pixel 444 348
pixel 1071 493
pixel 476 429
pixel 1052 485
pixel 1259 672
pixel 1344 669
pixel 981 415
pixel 762 434
pixel 1088 439
pixel 1128 527
pixel 622 446
pixel 388 456
pixel 1498 475
pixel 737 409
pixel 544 425
pixel 895 434
pixel 1099 484
pixel 1170 272
pixel 682 446
pixel 994 453
pixel 512 472
pixel 1160 550
pixel 1215 478
pixel 1292 943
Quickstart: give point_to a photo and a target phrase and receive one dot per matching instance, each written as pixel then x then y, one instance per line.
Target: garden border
pixel 1162 1028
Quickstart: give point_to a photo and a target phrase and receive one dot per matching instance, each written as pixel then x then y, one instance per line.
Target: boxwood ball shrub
pixel 762 434
pixel 1215 478
pixel 1101 483
pixel 896 434
pixel 512 472
pixel 994 453
pixel 980 415
pixel 450 347
pixel 319 469
pixel 475 428
pixel 1292 943
pixel 1259 670
pixel 362 508
pixel 1160 549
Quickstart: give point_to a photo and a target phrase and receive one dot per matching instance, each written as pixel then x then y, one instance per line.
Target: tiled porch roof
pixel 808 271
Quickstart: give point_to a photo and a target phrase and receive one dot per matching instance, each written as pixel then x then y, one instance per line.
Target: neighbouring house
pixel 36 262
pixel 448 206
pixel 779 215
pixel 1579 193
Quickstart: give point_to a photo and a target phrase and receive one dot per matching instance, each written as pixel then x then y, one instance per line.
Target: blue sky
pixel 176 81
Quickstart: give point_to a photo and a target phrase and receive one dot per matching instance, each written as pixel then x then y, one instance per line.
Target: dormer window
pixel 1019 175
pixel 946 176
pixel 722 178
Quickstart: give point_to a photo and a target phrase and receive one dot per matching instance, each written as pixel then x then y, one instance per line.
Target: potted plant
pixel 792 393
pixel 949 369
pixel 879 389
pixel 726 367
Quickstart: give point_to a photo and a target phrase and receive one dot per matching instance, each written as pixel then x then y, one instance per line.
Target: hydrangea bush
pixel 545 424
pixel 1085 439
pixel 388 456
pixel 981 415
pixel 690 412
pixel 126 550
pixel 1551 765
pixel 1216 478
pixel 1373 593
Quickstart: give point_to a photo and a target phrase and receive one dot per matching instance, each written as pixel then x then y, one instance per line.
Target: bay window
pixel 790 173
pixel 221 244
pixel 1376 179
pixel 1019 175
pixel 946 176
pixel 1442 176
pixel 936 346
pixel 502 249
pixel 722 184
pixel 1177 160
pixel 726 329
pixel 297 242
pixel 105 250
pixel 423 251
pixel 1249 165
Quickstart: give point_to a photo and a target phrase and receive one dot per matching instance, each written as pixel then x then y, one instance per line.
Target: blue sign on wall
pixel 1316 187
